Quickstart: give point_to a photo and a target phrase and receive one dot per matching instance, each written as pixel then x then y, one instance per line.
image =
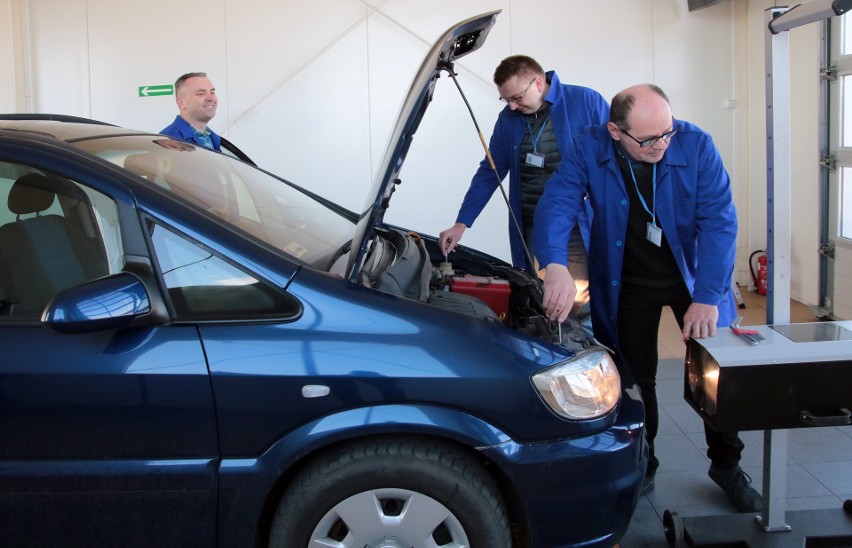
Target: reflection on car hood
pixel 460 40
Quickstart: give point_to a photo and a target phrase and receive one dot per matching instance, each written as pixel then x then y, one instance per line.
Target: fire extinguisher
pixel 761 279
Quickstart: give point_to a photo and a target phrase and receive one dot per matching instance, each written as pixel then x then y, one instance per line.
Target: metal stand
pixel 774 528
pixel 830 528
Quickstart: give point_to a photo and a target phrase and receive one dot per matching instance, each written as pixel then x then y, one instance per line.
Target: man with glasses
pixel 531 134
pixel 664 234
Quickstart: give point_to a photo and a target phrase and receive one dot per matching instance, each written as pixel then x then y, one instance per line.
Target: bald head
pixel 641 97
pixel 639 113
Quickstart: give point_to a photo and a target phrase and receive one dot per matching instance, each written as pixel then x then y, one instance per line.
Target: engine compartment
pixel 406 264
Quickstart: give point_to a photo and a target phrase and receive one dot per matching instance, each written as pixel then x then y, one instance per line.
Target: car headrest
pixel 35 192
pixel 31 193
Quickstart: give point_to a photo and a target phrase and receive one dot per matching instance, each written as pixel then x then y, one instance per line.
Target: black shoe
pixel 647 485
pixel 735 483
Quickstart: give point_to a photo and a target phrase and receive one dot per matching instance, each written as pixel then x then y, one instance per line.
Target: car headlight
pixel 584 387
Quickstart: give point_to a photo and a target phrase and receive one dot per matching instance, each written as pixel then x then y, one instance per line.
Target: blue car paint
pixel 394 350
pixel 122 420
pixel 121 298
pixel 161 502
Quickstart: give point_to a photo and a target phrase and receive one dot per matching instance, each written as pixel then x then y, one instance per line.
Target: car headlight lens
pixel 703 376
pixel 585 387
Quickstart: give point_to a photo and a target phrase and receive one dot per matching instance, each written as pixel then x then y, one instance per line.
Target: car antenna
pixel 449 68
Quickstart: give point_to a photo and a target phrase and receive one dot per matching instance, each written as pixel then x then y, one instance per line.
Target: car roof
pixel 71 129
pixel 74 128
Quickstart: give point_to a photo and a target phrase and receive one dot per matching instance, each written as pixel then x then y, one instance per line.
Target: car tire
pixel 408 492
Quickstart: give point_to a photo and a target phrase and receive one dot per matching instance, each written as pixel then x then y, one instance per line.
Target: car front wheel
pixel 391 494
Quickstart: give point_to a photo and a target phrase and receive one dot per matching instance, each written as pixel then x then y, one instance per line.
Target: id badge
pixel 654 234
pixel 536 160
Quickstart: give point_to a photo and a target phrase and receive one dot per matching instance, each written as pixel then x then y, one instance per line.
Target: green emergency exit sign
pixel 154 91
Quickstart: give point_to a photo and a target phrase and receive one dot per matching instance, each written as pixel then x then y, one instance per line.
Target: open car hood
pixel 458 41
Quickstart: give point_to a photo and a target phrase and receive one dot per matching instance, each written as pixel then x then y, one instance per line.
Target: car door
pixel 107 438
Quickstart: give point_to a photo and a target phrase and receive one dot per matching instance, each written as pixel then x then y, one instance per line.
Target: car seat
pixel 44 253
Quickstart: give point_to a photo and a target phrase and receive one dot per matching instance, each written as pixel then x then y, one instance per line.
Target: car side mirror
pixel 111 302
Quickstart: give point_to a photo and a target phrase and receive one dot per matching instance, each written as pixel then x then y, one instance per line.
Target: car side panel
pixel 122 421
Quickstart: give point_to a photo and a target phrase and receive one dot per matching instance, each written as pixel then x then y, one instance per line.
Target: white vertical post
pixel 778 234
pixel 778 172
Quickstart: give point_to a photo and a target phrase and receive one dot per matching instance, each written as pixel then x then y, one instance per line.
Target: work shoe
pixel 736 484
pixel 647 485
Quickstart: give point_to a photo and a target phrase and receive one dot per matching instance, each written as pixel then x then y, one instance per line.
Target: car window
pixel 204 286
pixel 250 200
pixel 55 233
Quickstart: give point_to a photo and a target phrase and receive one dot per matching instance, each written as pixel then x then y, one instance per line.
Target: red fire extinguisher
pixel 761 279
pixel 761 275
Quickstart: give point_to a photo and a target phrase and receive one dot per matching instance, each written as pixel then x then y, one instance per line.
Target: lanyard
pixel 537 137
pixel 653 192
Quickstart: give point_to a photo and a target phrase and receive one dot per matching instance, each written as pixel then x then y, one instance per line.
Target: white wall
pixel 7 65
pixel 310 89
pixel 12 89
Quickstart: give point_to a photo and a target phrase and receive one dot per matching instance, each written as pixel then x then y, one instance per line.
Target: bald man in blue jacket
pixel 663 234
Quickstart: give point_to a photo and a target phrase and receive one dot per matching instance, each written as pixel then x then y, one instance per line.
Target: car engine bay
pixel 405 264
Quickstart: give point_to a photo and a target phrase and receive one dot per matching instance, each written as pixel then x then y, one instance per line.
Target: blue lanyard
pixel 653 192
pixel 537 137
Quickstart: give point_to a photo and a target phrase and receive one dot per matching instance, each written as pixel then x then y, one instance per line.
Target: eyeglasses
pixel 645 143
pixel 519 98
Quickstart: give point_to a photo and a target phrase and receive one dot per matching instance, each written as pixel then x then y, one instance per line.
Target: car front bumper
pixel 580 491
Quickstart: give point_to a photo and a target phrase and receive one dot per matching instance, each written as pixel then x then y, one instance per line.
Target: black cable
pixel 530 263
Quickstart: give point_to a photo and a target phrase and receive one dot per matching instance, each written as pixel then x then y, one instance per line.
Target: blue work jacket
pixel 182 131
pixel 694 207
pixel 573 109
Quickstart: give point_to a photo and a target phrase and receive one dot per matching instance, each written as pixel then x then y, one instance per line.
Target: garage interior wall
pixel 310 89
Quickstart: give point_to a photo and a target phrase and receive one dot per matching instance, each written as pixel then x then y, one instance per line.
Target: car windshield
pixel 242 196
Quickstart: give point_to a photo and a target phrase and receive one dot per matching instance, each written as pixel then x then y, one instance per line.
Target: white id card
pixel 654 234
pixel 534 159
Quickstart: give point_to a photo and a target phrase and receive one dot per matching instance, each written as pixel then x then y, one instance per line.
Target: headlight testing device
pixel 798 376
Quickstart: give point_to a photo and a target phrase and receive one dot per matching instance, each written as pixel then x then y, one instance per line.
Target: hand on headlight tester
pixel 699 322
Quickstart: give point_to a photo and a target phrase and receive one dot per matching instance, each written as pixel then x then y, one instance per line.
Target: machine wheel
pixel 392 493
pixel 673 528
pixel 847 506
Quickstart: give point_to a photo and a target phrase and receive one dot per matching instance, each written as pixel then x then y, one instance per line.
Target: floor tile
pixel 836 476
pixel 686 419
pixel 828 444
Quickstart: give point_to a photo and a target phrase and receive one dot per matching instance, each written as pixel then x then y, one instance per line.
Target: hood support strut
pixel 450 70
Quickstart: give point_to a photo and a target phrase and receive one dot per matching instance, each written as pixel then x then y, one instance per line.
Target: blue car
pixel 196 352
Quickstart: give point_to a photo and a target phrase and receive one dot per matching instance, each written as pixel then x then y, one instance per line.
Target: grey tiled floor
pixel 819 460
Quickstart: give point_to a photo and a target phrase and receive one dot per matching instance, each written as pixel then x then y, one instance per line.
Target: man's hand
pixel 559 292
pixel 448 239
pixel 699 322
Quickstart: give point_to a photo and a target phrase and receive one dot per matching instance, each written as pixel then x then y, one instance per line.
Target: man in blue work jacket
pixel 664 234
pixel 540 119
pixel 197 102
